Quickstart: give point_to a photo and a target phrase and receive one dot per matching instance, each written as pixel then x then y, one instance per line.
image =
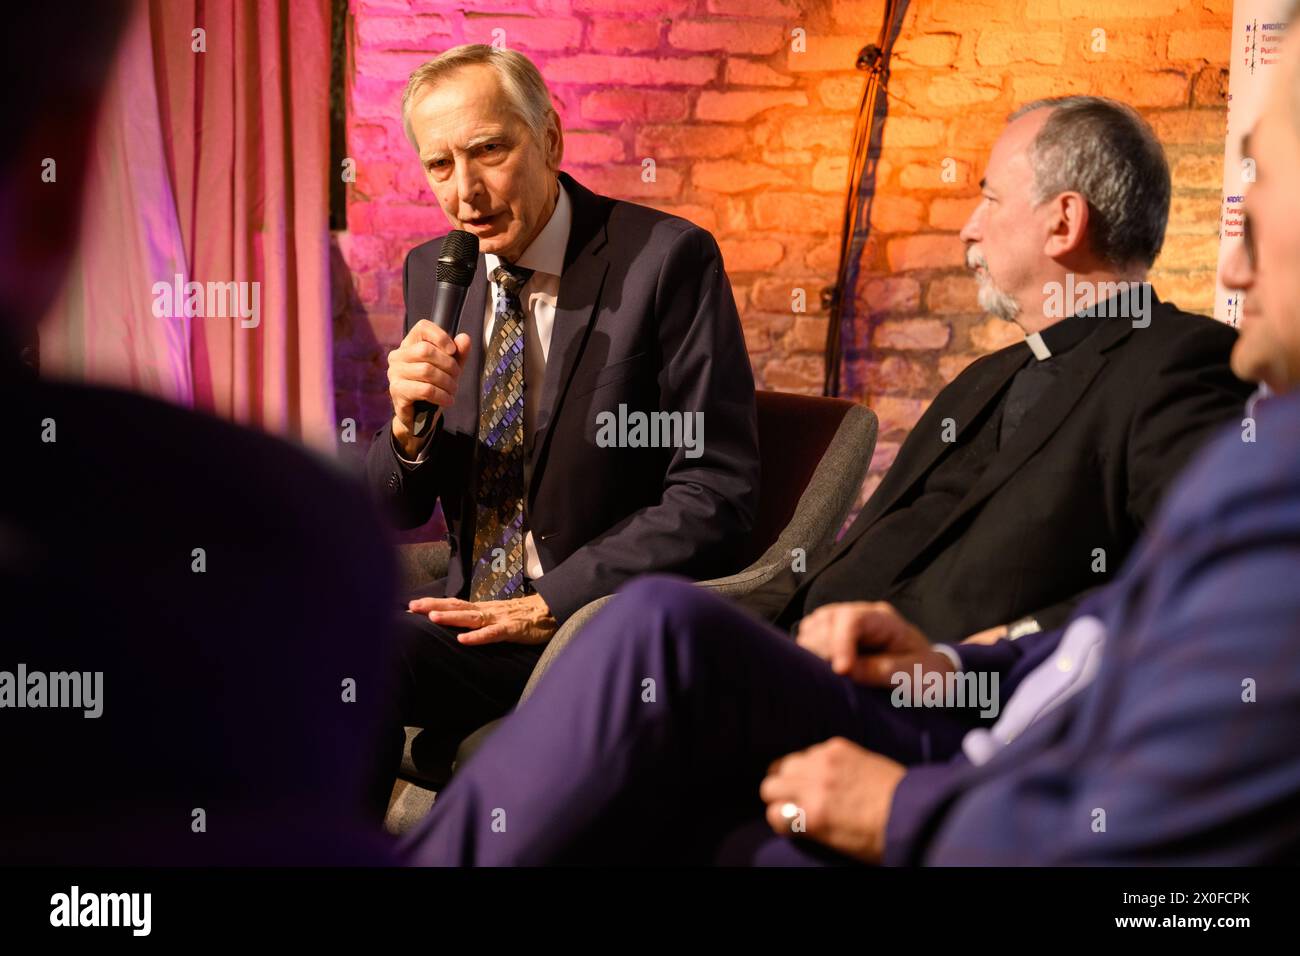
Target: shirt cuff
pixel 407 463
pixel 949 653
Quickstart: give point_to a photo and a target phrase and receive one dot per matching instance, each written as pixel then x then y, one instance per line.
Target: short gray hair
pixel 523 85
pixel 1106 152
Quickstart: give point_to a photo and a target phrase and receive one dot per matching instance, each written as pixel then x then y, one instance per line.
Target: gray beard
pixel 996 302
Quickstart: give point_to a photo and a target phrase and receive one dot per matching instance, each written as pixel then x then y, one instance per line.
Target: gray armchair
pixel 814 456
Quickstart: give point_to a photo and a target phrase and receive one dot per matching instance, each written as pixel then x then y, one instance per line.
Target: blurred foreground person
pixel 179 597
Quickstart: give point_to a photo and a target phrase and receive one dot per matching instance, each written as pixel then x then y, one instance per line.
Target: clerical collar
pixel 1059 337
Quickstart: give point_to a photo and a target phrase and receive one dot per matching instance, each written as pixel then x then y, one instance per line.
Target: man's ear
pixel 554 141
pixel 1067 226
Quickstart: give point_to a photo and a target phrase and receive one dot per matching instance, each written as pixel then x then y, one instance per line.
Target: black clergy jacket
pixel 1054 510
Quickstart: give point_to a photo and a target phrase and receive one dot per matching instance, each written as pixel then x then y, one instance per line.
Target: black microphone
pixel 457 260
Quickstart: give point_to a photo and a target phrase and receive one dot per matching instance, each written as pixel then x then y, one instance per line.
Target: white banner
pixel 1257 28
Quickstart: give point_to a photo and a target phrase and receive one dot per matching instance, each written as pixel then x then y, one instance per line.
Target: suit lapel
pixel 963 406
pixel 1080 368
pixel 585 267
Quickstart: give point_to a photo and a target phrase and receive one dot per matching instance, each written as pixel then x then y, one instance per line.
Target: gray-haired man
pixel 581 307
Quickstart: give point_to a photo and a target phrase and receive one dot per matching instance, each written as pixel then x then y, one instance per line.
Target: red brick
pixel 963 90
pixel 1189 126
pixel 702 216
pixel 730 36
pixel 524 33
pixel 787 157
pixel 1102 9
pixel 643 106
pixel 1198 171
pixel 743 72
pixel 930 175
pixel 903 131
pixel 831 174
pixel 824 54
pixel 745 105
pixel 622 7
pixel 933 49
pixel 731 176
pixel 824 256
pixel 1210 87
pixel 777 9
pixel 403 33
pixel 894 214
pixel 635 36
pixel 974 14
pixel 1026 88
pixel 897 415
pixel 797 212
pixel 799 373
pixel 778 295
pixel 1120 46
pixel 583 146
pixel 1150 88
pixel 950 366
pixel 911 334
pixel 400 219
pixel 808 334
pixel 893 374
pixel 702 142
pixel 1193 291
pixel 1211 45
pixel 975 131
pixel 951 213
pixel 928 251
pixel 1186 252
pixel 835 132
pixel 596 69
pixel 841 92
pixel 732 214
pixel 750 255
pixel 1194 214
pixel 857 14
pixel 373 98
pixel 890 294
pixel 624 182
pixel 1001 48
pixel 952 294
pixel 993 334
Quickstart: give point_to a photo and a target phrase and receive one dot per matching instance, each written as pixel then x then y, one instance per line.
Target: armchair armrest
pixel 422 563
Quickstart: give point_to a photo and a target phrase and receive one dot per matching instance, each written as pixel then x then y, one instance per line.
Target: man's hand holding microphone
pixel 425 367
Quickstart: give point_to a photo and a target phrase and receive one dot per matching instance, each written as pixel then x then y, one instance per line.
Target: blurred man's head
pixel 1266 266
pixel 1077 185
pixel 489 141
pixel 57 54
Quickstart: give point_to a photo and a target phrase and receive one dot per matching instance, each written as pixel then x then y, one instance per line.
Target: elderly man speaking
pixel 582 309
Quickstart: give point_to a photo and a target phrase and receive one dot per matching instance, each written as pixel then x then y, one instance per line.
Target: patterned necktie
pixel 499 463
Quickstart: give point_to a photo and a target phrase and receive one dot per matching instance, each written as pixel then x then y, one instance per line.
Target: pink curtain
pixel 212 165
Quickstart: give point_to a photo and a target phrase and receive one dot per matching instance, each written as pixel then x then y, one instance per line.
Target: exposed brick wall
pixel 749 139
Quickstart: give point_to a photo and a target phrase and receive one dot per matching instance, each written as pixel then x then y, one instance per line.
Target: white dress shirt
pixel 545 256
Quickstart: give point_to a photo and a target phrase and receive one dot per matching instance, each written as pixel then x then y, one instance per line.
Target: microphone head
pixel 458 257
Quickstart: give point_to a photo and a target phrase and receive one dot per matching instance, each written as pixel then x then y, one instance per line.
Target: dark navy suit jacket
pixel 646 319
pixel 1187 738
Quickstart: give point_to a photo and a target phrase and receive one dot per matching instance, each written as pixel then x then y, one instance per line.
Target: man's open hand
pixel 836 793
pixel 525 620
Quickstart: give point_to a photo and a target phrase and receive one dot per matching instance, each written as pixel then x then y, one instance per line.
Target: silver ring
pixel 790 812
